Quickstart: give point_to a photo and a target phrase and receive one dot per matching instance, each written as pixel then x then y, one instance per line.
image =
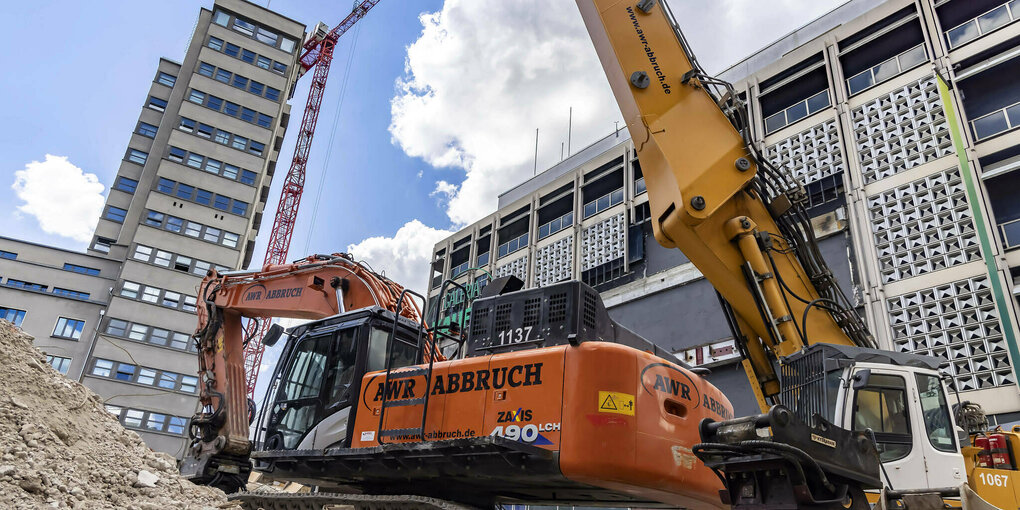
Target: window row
pixel 157 296
pixel 799 110
pixel 59 363
pixel 148 420
pixel 201 196
pixel 602 203
pixel 68 328
pixel 57 291
pixel 75 268
pixel 8 255
pixel 142 375
pixel 213 166
pixel 174 261
pixel 983 24
pixel 255 31
pixel 248 56
pixel 885 70
pixel 21 284
pixel 556 225
pixel 239 82
pixel 232 109
pixel 150 335
pixel 191 229
pixel 222 137
pixel 68 293
pixel 12 315
pixel 513 245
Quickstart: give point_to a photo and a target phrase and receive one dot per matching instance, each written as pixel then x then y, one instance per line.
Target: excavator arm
pixel 315 287
pixel 739 219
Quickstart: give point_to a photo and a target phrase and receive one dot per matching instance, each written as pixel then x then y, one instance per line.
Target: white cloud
pixel 485 73
pixel 405 257
pixel 65 200
pixel 444 190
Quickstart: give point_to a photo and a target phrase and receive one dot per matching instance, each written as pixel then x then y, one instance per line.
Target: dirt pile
pixel 59 448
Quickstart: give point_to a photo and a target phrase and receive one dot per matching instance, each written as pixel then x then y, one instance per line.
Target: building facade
pixel 911 187
pixel 189 196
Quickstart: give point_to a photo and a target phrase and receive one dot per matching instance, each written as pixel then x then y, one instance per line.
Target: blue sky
pixel 438 116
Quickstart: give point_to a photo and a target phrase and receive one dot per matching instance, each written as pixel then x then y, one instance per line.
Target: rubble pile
pixel 59 447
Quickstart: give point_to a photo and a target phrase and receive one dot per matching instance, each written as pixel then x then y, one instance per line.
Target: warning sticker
pixel 616 402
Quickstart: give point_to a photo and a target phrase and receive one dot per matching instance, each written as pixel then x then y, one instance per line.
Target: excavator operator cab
pixel 900 397
pixel 310 401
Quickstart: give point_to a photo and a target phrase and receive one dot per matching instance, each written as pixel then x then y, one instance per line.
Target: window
pixel 156 103
pixel 115 214
pixel 513 245
pixel 239 208
pixel 168 380
pixel 133 417
pixel 189 384
pixel 165 185
pixel 116 327
pixel 171 299
pixel 102 368
pixel 213 166
pixel 239 142
pixel 125 372
pixel 230 239
pixel 279 67
pixel 150 294
pixel 130 290
pixel 232 109
pixel 162 258
pixel 177 425
pixel 248 115
pixel 288 45
pixel 215 103
pixel 983 24
pixel 146 130
pixel 256 148
pixel 556 225
pixel 174 224
pixel 68 328
pixel 266 36
pixel 602 203
pixel 798 111
pixel 248 177
pixel 230 171
pixel 12 315
pixel 203 197
pixel 882 407
pixel 184 191
pixel 91 271
pixel 73 294
pixel 195 160
pixel 215 43
pixel 138 331
pixel 222 203
pixel 221 18
pixel 146 376
pixel 193 229
pixel 240 82
pixel 272 94
pixel 265 63
pixel 102 244
pixel 483 259
pixel 60 364
pixel 137 156
pixel 265 121
pixel 222 137
pixel 166 79
pixel 154 219
pixel 248 56
pixel 206 70
pixel 222 75
pixel 196 97
pixel 233 50
pixel 155 421
pixel 205 131
pixel 935 412
pixel 244 27
pixel 8 255
pixel 126 185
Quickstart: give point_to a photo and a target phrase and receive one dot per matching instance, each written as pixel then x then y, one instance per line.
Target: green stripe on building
pixel 1002 304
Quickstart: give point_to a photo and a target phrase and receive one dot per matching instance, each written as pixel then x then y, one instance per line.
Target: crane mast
pixel 317 53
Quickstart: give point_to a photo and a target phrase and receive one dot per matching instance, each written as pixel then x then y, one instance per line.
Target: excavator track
pixel 330 501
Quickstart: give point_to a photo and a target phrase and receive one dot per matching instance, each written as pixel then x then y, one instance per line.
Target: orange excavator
pixel 543 398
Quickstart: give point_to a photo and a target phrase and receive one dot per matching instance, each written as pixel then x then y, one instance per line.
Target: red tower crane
pixel 317 53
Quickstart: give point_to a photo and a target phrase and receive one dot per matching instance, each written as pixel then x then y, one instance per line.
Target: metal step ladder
pixel 428 345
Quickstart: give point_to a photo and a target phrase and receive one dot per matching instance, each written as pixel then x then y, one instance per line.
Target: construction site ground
pixel 60 448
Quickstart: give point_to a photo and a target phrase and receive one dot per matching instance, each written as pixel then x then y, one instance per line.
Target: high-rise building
pixel 922 234
pixel 189 196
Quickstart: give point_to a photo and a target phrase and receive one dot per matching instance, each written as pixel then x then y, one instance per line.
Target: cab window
pixel 299 391
pixel 343 366
pixel 404 353
pixel 936 413
pixel 882 407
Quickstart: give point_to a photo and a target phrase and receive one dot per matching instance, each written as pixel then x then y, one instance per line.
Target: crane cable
pixel 332 138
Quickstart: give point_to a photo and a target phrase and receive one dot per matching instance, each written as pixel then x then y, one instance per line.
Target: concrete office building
pixel 189 196
pixel 922 235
